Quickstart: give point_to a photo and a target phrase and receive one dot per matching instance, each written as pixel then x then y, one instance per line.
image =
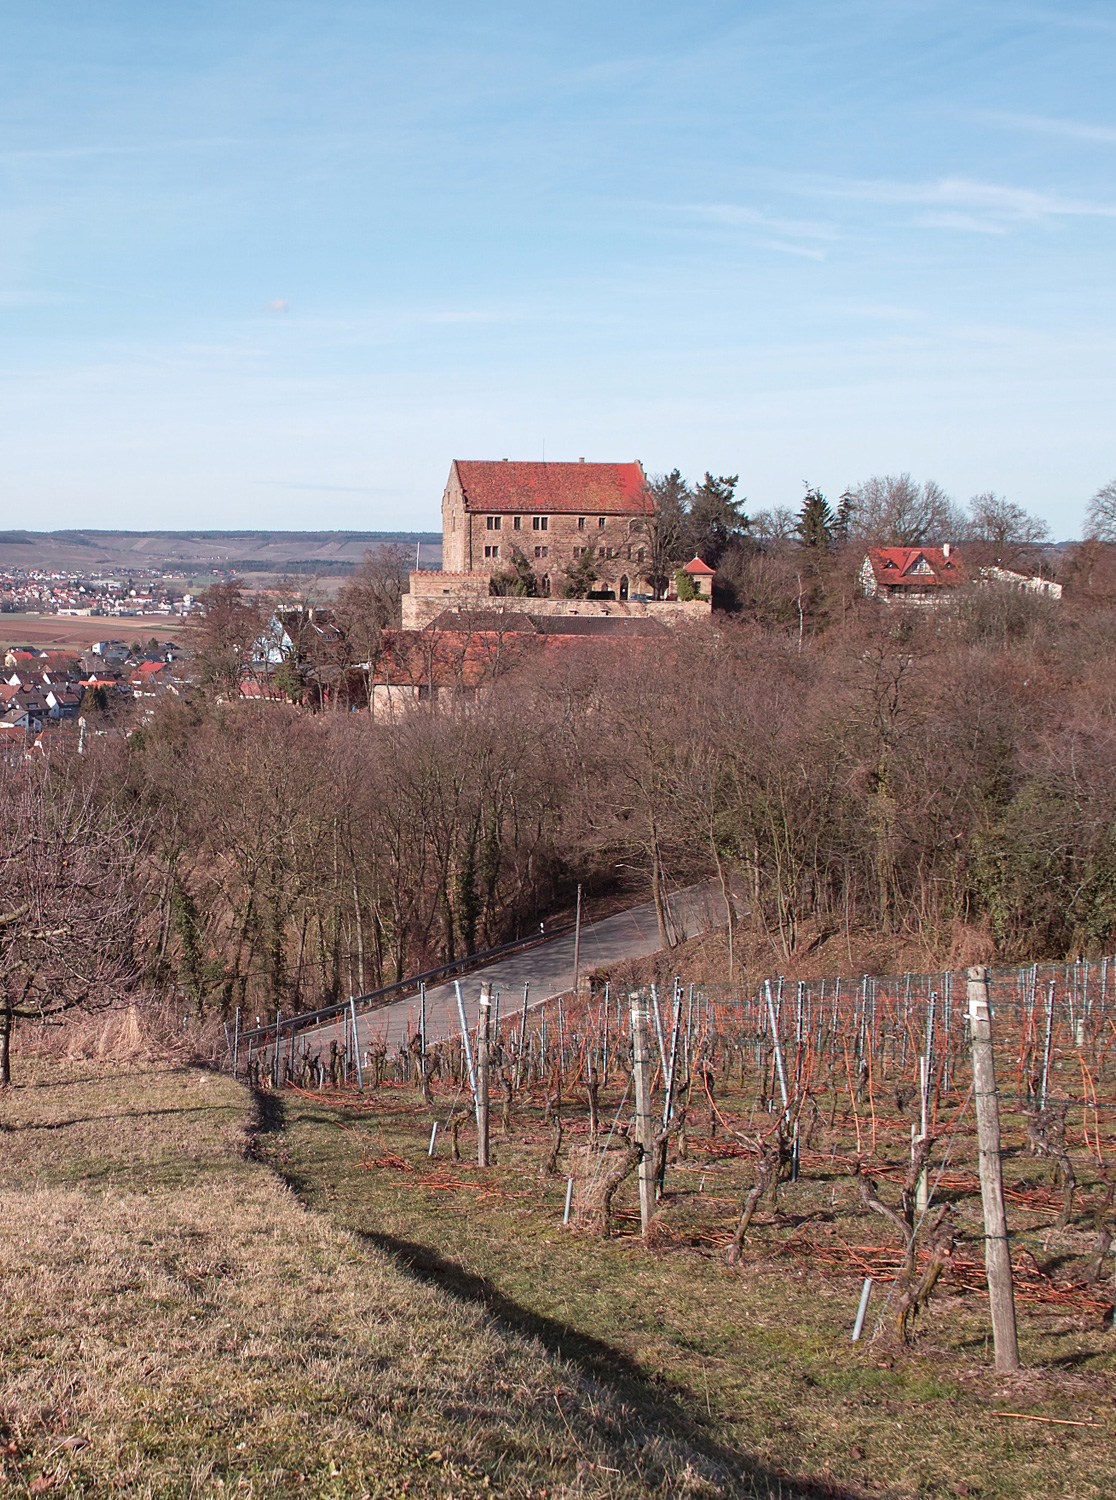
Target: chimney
pixel 581 460
pixel 945 550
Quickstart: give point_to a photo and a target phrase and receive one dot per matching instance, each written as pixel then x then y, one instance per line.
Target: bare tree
pixel 775 528
pixel 70 899
pixel 231 628
pixel 665 528
pixel 1005 530
pixel 891 510
pixel 1100 517
pixel 368 603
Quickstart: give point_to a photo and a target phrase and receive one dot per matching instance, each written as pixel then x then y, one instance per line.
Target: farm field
pixel 78 632
pixel 759 1356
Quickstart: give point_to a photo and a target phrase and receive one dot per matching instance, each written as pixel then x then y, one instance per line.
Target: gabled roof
pixel 695 566
pixel 556 489
pixel 916 567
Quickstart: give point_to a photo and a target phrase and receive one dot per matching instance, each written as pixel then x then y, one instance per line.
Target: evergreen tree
pixel 716 520
pixel 815 521
pixel 843 523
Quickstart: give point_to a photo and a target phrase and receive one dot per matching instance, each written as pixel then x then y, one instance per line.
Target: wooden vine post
pixel 484 1034
pixel 997 1252
pixel 645 1125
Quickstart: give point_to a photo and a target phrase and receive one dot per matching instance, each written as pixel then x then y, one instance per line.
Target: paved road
pixel 547 970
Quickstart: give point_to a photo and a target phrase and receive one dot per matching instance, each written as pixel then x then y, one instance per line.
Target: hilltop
pixel 206 551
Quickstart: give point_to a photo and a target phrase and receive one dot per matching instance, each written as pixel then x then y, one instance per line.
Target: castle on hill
pixel 501 519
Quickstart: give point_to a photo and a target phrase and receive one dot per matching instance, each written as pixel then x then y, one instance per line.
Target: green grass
pixel 756 1362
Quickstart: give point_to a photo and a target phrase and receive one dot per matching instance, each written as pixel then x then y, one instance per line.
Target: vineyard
pixel 828 1126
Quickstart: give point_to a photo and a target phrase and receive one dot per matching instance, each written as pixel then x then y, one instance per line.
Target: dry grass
pixel 175 1322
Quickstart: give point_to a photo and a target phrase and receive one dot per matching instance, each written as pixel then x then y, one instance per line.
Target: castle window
pixel 540 523
pixel 600 551
pixel 639 555
pixel 492 552
pixel 581 523
pixel 600 523
pixel 492 523
pixel 515 523
pixel 542 551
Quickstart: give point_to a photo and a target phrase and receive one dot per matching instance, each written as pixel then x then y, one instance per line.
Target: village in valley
pixel 538 559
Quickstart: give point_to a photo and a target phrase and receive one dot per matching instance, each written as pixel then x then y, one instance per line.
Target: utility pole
pixel 645 1129
pixel 484 1033
pixel 997 1253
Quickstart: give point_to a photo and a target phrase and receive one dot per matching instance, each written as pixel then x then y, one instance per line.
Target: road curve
pixel 547 970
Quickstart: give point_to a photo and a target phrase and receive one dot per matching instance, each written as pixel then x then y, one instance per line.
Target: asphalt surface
pixel 547 970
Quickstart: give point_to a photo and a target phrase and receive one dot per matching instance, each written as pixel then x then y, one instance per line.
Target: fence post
pixel 922 1191
pixel 641 1069
pixel 521 1049
pixel 774 1023
pixel 997 1253
pixel 484 1024
pixel 356 1045
pixel 236 1044
pixel 466 1049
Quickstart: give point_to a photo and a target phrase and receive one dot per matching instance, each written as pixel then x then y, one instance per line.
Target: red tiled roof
pixel 557 489
pixel 696 565
pixel 916 567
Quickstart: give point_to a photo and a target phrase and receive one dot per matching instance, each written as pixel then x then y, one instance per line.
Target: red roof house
pixel 914 575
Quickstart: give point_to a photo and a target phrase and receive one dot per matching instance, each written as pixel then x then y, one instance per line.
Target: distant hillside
pixel 202 551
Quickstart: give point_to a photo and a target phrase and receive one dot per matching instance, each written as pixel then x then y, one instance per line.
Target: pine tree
pixel 815 521
pixel 843 524
pixel 716 519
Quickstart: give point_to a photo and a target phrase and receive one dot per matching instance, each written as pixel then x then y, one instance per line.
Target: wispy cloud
pixel 17 156
pixel 769 232
pixel 967 223
pixel 1076 130
pixel 961 202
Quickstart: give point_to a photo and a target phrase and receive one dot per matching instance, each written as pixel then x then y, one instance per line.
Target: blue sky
pixel 277 263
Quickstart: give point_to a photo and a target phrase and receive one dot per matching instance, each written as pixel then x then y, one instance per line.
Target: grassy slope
pixel 175 1322
pixel 759 1362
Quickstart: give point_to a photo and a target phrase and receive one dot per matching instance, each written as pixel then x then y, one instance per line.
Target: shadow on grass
pixel 658 1406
